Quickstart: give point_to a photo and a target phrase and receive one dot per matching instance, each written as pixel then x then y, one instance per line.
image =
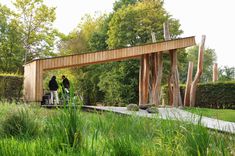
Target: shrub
pixel 10 86
pixel 133 107
pixel 210 95
pixel 20 123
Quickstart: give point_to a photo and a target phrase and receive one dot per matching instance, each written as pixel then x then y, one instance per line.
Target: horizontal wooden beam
pixel 114 55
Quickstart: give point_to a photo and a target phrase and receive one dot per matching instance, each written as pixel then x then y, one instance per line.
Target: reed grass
pixel 73 132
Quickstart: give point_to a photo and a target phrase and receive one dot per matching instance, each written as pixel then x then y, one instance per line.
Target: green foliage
pixel 120 83
pixel 216 95
pixel 124 146
pixel 133 24
pixel 226 73
pixel 10 86
pixel 111 134
pixel 210 95
pixel 208 62
pixel 35 21
pixel 122 3
pixel 132 107
pixel 11 47
pixel 20 123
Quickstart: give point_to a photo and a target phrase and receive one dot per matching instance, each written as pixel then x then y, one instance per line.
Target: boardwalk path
pixel 173 114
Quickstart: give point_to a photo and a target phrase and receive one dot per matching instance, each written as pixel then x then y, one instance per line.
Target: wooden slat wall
pixel 39 79
pixel 30 82
pixel 115 55
pixel 33 82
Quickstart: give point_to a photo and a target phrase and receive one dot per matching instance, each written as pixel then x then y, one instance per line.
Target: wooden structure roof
pixel 33 71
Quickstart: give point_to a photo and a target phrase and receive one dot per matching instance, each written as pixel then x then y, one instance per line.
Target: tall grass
pixel 19 123
pixel 72 132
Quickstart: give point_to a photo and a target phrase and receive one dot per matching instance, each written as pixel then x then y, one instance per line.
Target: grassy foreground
pixel 33 131
pixel 222 114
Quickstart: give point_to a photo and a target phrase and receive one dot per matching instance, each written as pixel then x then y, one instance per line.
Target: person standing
pixel 65 84
pixel 65 88
pixel 53 86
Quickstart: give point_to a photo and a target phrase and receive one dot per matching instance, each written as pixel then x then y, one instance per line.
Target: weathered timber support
pixel 144 79
pixel 215 72
pixel 199 72
pixel 156 64
pixel 173 81
pixel 141 80
pixel 188 84
pixel 33 81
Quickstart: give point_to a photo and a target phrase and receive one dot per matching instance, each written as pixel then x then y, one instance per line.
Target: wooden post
pixel 156 73
pixel 141 80
pixel 173 81
pixel 144 79
pixel 199 72
pixel 215 72
pixel 188 84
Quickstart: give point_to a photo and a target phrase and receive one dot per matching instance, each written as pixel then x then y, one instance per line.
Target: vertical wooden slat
pixel 199 72
pixel 215 72
pixel 188 84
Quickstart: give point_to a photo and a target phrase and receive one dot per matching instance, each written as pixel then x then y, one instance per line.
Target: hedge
pixel 10 87
pixel 210 95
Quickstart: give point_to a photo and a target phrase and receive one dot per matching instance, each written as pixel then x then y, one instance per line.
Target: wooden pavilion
pixel 148 53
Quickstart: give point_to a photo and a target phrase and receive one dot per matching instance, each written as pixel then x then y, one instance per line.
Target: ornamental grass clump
pixel 20 123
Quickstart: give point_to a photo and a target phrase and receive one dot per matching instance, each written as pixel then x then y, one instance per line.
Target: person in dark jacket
pixel 65 88
pixel 53 86
pixel 65 84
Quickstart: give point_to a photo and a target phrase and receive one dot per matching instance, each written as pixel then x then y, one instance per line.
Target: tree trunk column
pixel 199 72
pixel 144 79
pixel 188 84
pixel 215 72
pixel 174 80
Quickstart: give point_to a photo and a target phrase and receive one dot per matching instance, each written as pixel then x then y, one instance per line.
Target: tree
pixel 121 3
pixel 89 35
pixel 11 49
pixel 209 60
pixel 226 73
pixel 35 21
pixel 133 24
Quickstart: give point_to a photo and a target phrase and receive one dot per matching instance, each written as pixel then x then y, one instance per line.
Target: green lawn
pixel 222 114
pixel 28 130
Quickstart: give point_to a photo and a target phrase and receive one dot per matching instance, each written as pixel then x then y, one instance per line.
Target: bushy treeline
pixel 131 23
pixel 211 95
pixel 11 86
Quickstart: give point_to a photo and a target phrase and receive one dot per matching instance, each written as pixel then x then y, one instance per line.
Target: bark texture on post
pixel 173 81
pixel 188 84
pixel 156 75
pixel 215 72
pixel 141 80
pixel 199 72
pixel 144 79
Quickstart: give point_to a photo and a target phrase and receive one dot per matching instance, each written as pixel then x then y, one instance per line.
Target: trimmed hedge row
pixel 210 95
pixel 10 87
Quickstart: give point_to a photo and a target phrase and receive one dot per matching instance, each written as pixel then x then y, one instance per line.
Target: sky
pixel 213 18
